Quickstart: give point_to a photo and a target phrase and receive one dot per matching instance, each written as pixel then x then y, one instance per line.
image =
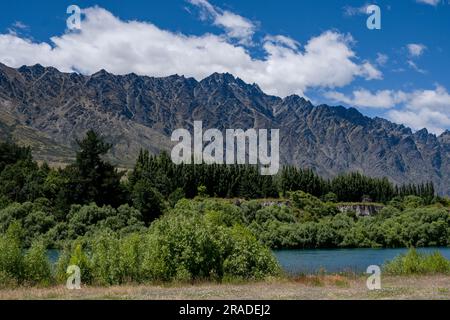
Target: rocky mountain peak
pixel 141 112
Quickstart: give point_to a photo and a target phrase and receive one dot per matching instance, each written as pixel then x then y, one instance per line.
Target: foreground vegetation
pixel 414 262
pixel 181 246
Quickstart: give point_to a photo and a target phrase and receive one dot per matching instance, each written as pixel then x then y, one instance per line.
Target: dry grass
pixel 300 288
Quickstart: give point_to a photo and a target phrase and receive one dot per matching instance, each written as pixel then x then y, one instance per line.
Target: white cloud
pixel 438 99
pixel 351 11
pixel 366 99
pixel 415 67
pixel 382 59
pixel 425 109
pixel 435 121
pixel 416 49
pixel 429 2
pixel 121 47
pixel 283 41
pixel 417 109
pixel 236 26
pixel 20 25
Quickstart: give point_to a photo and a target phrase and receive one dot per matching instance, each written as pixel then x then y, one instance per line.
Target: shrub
pixel 183 243
pixel 80 259
pixel 11 258
pixel 132 249
pixel 117 260
pixel 106 260
pixel 188 246
pixel 312 205
pixel 330 197
pixel 74 254
pixel 35 218
pixel 90 219
pixel 38 270
pixel 202 191
pixel 248 259
pixel 418 263
pixel 413 202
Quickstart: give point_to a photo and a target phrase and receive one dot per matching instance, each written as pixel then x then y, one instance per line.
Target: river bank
pixel 326 287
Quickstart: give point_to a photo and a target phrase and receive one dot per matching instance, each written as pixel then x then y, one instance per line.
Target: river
pixel 340 260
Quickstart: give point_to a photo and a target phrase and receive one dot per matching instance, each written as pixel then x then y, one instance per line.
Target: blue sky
pixel 319 49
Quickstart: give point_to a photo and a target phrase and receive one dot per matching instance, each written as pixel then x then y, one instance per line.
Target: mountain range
pixel 48 110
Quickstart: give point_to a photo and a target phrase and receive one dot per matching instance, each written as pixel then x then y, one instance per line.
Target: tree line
pixel 244 181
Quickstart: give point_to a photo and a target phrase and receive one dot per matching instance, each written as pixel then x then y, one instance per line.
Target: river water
pixel 340 260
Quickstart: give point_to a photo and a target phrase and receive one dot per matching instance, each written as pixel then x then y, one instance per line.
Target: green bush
pixel 90 219
pixel 38 270
pixel 74 254
pixel 303 226
pixel 11 257
pixel 418 263
pixel 313 207
pixel 248 259
pixel 413 202
pixel 106 260
pixel 184 244
pixel 35 218
pixel 117 260
pixel 330 197
pixel 132 250
pixel 195 241
pixel 187 245
pixel 80 259
pixel 16 268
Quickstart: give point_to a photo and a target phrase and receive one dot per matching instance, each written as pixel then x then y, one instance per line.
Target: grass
pixel 323 280
pixel 322 287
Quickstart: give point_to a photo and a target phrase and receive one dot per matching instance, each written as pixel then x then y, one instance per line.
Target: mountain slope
pixel 138 111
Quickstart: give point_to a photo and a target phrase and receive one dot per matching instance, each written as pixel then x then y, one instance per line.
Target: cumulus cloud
pixel 283 41
pixel 416 49
pixel 364 98
pixel 121 47
pixel 417 109
pixel 236 26
pixel 434 121
pixel 438 99
pixel 382 59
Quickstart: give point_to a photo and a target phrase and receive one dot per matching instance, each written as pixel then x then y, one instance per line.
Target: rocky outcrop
pixel 363 210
